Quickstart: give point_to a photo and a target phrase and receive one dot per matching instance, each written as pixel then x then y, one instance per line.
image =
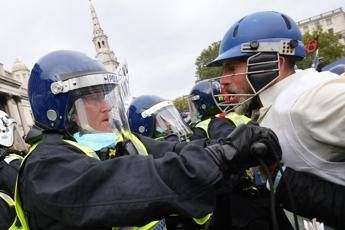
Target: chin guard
pixel 262 70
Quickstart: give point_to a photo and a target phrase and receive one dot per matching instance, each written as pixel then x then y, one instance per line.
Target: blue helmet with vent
pixel 156 117
pixel 137 122
pixel 202 96
pixel 338 69
pixel 50 96
pixel 252 33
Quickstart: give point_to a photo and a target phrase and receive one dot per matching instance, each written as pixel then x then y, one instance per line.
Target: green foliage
pixel 181 104
pixel 330 49
pixel 206 56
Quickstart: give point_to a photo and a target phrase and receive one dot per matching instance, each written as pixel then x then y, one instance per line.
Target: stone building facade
pixel 333 20
pixel 14 97
pixel 14 84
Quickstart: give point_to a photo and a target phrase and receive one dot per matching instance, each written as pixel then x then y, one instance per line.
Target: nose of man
pixel 105 106
pixel 225 80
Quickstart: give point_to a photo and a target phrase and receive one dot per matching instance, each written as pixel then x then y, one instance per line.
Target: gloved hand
pixel 241 149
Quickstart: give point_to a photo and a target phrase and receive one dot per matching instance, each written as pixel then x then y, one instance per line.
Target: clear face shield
pixel 123 84
pixel 262 69
pixel 168 121
pixel 100 109
pixel 193 111
pixel 97 114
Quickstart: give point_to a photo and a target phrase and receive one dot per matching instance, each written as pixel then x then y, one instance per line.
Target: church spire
pixel 97 30
pixel 100 40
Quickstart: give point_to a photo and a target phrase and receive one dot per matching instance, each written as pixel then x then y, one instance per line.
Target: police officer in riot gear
pixel 155 117
pixel 205 103
pixel 62 183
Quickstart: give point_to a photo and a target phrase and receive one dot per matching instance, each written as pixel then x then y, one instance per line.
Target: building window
pixel 3 101
pixel 99 44
pixel 317 24
pixel 103 43
pixel 343 33
pixel 329 21
pixel 305 28
pixel 330 30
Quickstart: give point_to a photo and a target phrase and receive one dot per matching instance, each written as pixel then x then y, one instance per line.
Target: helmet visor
pixel 193 111
pixel 168 120
pixel 98 107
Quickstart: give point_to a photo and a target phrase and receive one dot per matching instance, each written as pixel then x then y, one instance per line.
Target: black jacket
pixel 241 209
pixel 7 215
pixel 8 176
pixel 218 128
pixel 313 197
pixel 61 188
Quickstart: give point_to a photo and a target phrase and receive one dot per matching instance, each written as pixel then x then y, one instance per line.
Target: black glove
pixel 239 150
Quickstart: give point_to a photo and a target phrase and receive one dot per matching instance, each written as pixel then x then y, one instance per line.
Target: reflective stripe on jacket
pixel 8 200
pixel 235 118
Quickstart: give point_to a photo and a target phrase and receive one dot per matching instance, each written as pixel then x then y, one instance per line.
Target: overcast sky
pixel 159 39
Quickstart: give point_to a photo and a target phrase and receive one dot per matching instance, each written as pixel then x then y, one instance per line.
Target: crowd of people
pixel 262 149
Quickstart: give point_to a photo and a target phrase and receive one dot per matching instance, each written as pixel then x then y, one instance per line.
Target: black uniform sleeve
pixel 171 137
pixel 220 128
pixel 198 133
pixel 159 148
pixel 7 215
pixel 8 175
pixel 313 197
pixel 59 182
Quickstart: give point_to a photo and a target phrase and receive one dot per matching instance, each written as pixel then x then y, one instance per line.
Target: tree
pixel 330 48
pixel 206 56
pixel 181 104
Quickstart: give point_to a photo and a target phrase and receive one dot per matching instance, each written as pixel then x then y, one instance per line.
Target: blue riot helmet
pixel 338 69
pixel 260 38
pixel 155 117
pixel 202 100
pixel 74 94
pixel 254 33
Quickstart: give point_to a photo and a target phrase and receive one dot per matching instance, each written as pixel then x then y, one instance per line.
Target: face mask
pixel 199 116
pixel 187 120
pixel 160 130
pixel 96 141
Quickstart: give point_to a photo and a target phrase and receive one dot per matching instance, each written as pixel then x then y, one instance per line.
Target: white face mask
pixel 96 141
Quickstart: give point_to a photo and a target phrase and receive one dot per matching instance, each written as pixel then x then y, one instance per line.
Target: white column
pixel 14 113
pixel 22 116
